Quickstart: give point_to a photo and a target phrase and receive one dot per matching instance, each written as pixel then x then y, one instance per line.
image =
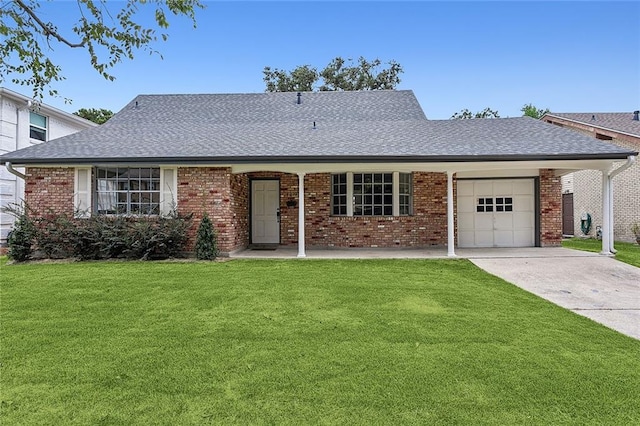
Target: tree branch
pixel 45 28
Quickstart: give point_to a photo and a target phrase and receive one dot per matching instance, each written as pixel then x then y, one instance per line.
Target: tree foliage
pixel 109 32
pixel 338 75
pixel 466 114
pixel 99 116
pixel 529 110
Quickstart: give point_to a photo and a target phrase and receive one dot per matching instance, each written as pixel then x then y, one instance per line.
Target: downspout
pixel 630 162
pixel 13 171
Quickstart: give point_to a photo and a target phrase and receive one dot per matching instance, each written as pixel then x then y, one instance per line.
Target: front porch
pixel 289 252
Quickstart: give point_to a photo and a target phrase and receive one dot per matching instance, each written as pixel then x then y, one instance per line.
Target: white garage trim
pixel 497 212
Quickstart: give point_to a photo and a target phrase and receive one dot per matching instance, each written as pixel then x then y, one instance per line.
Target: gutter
pixel 13 171
pixel 324 159
pixel 630 162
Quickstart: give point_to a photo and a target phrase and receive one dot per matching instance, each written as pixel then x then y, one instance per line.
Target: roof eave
pixel 318 159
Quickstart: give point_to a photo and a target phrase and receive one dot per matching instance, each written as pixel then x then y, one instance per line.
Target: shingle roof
pixel 349 126
pixel 616 121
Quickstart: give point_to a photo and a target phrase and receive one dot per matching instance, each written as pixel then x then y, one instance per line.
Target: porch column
pixel 450 223
pixel 611 221
pixel 606 199
pixel 301 249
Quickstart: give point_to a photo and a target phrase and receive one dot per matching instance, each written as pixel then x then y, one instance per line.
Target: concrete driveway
pixel 595 286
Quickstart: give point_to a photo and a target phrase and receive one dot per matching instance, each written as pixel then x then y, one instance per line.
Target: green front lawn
pixel 301 342
pixel 626 252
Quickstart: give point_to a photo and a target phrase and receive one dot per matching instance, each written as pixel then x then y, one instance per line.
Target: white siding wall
pixel 14 135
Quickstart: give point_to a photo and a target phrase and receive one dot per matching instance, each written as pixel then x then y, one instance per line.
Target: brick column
pixel 550 209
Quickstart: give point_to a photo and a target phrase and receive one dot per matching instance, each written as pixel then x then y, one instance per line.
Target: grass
pixel 301 342
pixel 626 252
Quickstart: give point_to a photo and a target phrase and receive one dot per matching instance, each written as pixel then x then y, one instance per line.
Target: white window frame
pixel 35 126
pixel 159 191
pixel 395 195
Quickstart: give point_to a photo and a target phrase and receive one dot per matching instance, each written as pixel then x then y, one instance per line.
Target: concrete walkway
pixel 597 287
pixel 589 284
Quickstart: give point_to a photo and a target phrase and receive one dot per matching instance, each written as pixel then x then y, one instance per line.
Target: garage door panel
pixel 523 238
pixel 465 188
pixel 503 221
pixel 522 203
pixel 483 221
pixel 466 205
pixel 465 221
pixel 502 188
pixel 523 220
pixel 466 238
pixel 523 187
pixel 484 238
pixel 483 188
pixel 503 238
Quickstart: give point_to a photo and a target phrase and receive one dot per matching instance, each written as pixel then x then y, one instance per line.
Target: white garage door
pixel 496 213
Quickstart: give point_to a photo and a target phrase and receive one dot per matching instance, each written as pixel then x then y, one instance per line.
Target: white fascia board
pixel 497 166
pixel 47 110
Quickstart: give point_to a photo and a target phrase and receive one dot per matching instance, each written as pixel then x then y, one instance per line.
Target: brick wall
pixel 223 197
pixel 427 226
pixel 550 209
pixel 50 190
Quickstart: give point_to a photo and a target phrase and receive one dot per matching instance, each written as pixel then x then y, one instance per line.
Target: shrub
pixel 99 237
pixel 206 240
pixel 20 240
pixel 54 236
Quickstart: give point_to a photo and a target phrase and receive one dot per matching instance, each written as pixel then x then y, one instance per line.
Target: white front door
pixel 496 213
pixel 265 210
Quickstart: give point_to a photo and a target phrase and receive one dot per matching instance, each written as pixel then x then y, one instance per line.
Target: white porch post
pixel 301 248
pixel 450 223
pixel 611 221
pixel 606 199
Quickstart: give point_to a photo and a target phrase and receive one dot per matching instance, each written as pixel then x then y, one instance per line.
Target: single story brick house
pixel 318 169
pixel 581 190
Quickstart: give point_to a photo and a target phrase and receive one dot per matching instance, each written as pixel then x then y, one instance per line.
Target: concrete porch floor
pixel 283 252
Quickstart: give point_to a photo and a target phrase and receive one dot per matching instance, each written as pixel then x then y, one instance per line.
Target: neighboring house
pixel 582 191
pixel 24 124
pixel 320 169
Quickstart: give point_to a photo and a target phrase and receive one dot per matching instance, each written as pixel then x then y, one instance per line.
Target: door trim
pixel 250 206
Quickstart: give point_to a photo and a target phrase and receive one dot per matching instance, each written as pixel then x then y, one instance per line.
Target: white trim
pixel 395 193
pixel 82 192
pixel 350 198
pixel 606 219
pixel 451 252
pixel 168 190
pixel 301 236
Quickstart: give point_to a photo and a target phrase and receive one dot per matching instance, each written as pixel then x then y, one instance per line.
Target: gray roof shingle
pixel 273 127
pixel 616 121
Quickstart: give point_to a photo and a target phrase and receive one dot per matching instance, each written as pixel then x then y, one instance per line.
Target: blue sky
pixel 567 56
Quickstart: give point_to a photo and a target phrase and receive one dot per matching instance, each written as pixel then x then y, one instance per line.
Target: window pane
pixel 39 134
pixel 37 120
pixel 127 190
